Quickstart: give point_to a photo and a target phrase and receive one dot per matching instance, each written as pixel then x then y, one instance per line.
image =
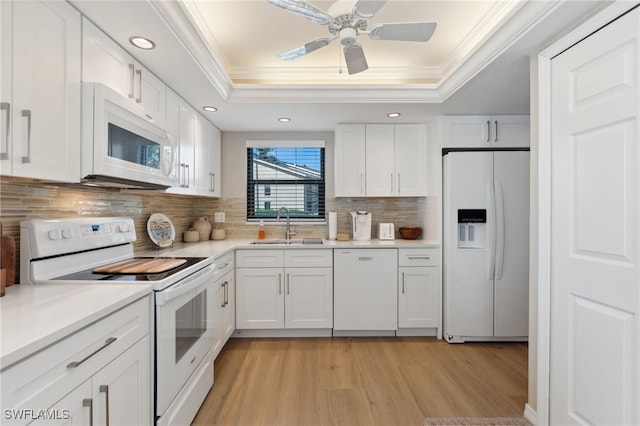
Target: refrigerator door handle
pixel 500 232
pixel 491 231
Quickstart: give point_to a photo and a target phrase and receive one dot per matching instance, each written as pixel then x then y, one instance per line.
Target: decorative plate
pixel 161 230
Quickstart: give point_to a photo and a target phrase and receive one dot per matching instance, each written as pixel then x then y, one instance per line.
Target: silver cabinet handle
pixel 212 182
pixel 132 85
pixel 107 342
pixel 391 176
pixel 88 402
pixel 403 283
pixel 27 158
pixel 488 131
pixel 279 283
pixel 105 389
pixel 6 106
pixel 224 291
pixel 418 257
pixel 139 98
pixel 365 258
pixel 496 139
pixel 288 283
pixel 398 183
pixel 188 175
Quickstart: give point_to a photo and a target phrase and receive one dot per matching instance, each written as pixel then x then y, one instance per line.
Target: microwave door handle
pixel 186 285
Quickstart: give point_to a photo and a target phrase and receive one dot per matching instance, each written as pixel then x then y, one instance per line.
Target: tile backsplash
pixel 24 199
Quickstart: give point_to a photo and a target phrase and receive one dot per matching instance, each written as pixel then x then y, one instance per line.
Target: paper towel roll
pixel 333 225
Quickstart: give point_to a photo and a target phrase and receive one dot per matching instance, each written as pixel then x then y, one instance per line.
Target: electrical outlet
pixel 218 217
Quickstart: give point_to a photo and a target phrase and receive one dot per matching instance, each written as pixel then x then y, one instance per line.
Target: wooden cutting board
pixel 8 258
pixel 140 266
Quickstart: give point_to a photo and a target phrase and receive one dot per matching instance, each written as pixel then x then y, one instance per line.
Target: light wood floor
pixel 363 381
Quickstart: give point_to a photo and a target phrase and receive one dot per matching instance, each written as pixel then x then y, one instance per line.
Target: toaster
pixel 386 231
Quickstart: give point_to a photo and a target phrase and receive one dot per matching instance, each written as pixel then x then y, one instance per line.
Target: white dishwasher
pixel 365 289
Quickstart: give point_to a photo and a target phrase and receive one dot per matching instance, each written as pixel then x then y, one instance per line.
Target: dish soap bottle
pixel 261 231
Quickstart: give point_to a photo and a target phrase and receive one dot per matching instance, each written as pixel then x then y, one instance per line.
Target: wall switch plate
pixel 218 217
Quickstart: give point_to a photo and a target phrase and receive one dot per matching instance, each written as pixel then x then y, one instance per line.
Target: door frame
pixel 541 131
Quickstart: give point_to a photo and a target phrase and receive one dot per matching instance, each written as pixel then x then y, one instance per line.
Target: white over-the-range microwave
pixel 122 146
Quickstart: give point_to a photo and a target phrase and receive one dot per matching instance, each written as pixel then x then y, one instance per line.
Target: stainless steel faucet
pixel 288 232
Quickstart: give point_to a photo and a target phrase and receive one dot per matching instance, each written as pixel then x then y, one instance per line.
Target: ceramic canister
pixel 203 226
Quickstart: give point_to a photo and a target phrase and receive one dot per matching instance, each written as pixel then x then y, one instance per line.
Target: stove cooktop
pixel 89 275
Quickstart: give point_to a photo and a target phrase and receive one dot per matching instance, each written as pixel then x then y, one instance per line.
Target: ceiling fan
pixel 347 24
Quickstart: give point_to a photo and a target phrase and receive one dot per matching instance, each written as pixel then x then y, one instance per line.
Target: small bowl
pixel 410 232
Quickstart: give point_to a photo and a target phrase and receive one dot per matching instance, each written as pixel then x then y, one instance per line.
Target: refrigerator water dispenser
pixel 472 228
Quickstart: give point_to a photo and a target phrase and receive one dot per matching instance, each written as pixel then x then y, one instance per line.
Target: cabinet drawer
pixel 308 258
pixel 418 257
pixel 260 258
pixel 224 264
pixel 41 379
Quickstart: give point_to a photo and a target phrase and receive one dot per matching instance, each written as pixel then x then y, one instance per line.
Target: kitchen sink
pixel 293 241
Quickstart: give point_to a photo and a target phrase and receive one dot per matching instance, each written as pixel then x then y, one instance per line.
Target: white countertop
pixel 219 248
pixel 35 316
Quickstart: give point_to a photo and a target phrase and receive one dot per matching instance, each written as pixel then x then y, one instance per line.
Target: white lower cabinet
pixel 418 288
pixel 98 375
pixel 224 299
pixel 278 289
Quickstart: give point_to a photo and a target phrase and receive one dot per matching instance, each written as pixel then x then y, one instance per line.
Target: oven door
pixel 184 332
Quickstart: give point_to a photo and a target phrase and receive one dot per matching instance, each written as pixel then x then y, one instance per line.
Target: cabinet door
pixel 308 298
pixel 466 131
pixel 75 408
pixel 103 61
pixel 122 389
pixel 188 131
pixel 350 152
pixel 150 94
pixel 410 160
pixel 229 311
pixel 45 106
pixel 208 159
pixel 259 298
pixel 418 297
pixel 511 131
pixel 6 68
pixel 380 154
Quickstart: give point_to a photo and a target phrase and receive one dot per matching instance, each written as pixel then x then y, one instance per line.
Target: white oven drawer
pixel 40 380
pixel 418 257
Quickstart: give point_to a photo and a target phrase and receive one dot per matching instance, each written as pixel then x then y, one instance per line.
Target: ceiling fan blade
pixel 413 31
pixel 365 9
pixel 355 59
pixel 304 9
pixel 299 51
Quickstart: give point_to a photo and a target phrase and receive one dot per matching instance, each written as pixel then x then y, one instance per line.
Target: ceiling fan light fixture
pixel 355 59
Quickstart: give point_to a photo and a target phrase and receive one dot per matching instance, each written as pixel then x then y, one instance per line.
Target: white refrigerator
pixel 486 246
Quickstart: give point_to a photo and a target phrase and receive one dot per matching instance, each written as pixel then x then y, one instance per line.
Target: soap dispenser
pixel 261 231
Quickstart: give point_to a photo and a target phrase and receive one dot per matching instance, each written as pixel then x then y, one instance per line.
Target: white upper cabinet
pixel 208 162
pixel 350 149
pixel 381 160
pixel 182 120
pixel 40 90
pixel 104 61
pixel 486 131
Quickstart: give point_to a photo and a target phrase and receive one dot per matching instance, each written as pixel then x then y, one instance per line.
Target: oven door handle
pixel 186 285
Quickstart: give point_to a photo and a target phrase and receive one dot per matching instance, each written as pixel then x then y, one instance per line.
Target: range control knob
pixel 124 227
pixel 55 234
pixel 67 233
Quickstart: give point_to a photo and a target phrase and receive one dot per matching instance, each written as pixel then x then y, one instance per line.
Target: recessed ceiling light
pixel 393 115
pixel 142 42
pixel 284 119
pixel 209 108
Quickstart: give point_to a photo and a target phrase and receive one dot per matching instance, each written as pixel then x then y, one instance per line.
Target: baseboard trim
pixel 530 414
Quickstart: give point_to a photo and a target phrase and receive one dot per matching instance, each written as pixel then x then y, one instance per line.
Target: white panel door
pixel 410 160
pixel 259 298
pixel 350 160
pixel 380 160
pixel 595 234
pixel 308 298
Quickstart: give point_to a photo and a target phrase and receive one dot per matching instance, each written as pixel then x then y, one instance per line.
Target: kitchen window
pixel 285 174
